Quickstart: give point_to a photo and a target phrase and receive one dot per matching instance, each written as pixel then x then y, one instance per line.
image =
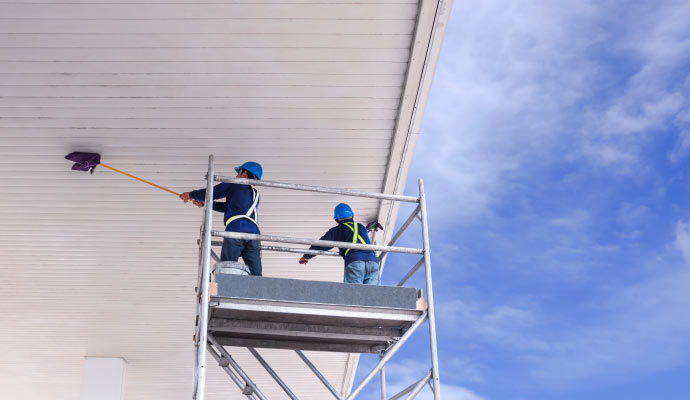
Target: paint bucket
pixel 230 268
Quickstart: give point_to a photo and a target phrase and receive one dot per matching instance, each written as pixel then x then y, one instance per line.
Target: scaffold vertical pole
pixel 383 381
pixel 429 293
pixel 205 279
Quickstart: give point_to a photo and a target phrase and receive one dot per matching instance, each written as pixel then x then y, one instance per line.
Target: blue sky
pixel 556 156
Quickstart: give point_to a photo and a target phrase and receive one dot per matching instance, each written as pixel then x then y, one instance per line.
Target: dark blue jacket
pixel 238 199
pixel 341 233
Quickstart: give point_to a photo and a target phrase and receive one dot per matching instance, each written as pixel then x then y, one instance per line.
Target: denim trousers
pixel 366 272
pixel 250 250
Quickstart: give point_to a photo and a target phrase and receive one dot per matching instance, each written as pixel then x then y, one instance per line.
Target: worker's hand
pixel 303 260
pixel 185 197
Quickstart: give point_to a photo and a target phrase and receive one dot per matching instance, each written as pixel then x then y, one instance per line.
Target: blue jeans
pixel 366 272
pixel 250 250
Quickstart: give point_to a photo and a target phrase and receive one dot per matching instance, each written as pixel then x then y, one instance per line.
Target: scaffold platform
pixel 262 312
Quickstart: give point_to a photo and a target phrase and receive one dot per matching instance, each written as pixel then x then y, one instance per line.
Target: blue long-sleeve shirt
pixel 238 200
pixel 341 233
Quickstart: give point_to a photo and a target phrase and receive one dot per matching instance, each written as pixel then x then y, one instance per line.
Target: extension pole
pixel 139 179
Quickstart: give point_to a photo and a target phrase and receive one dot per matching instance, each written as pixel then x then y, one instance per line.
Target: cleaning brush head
pixel 84 161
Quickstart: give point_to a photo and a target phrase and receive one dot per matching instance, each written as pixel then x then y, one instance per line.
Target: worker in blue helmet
pixel 241 214
pixel 361 266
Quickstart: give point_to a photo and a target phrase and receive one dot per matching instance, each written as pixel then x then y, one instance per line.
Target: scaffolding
pixel 265 323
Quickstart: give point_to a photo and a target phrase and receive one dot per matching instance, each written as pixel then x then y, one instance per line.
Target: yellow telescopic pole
pixel 140 180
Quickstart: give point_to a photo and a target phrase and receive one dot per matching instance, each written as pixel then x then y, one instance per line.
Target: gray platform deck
pixel 307 315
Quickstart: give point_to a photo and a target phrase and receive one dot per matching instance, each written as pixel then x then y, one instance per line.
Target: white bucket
pixel 230 268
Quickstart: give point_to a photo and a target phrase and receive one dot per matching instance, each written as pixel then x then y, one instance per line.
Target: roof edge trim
pixel 426 48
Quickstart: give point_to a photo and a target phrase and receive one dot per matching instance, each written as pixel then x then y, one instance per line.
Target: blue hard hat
pixel 253 167
pixel 342 211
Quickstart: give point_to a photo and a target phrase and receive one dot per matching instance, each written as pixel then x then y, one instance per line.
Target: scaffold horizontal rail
pixel 330 314
pixel 318 189
pixel 288 249
pixel 293 330
pixel 316 242
pixel 299 345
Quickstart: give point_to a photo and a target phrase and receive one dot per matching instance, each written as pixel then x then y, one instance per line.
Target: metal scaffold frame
pixel 208 343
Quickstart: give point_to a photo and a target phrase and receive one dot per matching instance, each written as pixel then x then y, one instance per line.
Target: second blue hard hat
pixel 342 211
pixel 253 167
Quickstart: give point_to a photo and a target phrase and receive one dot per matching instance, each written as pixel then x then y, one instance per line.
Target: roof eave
pixel 426 48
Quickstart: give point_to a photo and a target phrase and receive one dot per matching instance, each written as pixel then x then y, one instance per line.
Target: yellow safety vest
pixel 248 214
pixel 354 227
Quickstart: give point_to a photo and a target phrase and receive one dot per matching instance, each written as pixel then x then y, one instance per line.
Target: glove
pixel 303 260
pixel 374 226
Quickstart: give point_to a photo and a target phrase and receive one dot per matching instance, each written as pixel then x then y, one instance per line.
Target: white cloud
pixel 627 331
pixel 522 85
pixel 682 147
pixel 643 328
pixel 682 241
pixel 631 214
pixel 452 392
pixel 655 40
pixel 525 88
pixel 634 329
pixel 403 373
pixel 630 114
pixel 576 220
pixel 609 154
pixel 501 103
pixel 462 369
pixel 500 324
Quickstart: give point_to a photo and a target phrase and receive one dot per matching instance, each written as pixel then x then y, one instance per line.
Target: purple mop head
pixel 84 161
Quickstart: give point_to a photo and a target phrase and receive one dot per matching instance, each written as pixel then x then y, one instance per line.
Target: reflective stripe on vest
pixel 355 234
pixel 252 210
